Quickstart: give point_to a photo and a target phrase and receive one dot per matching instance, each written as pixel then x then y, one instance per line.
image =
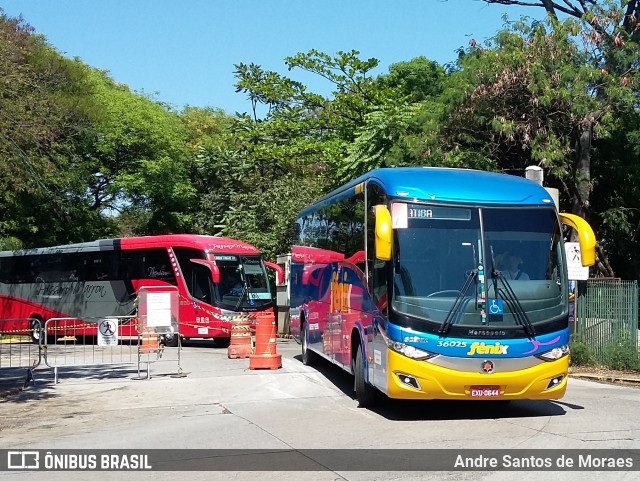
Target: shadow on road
pixel 18 385
pixel 408 410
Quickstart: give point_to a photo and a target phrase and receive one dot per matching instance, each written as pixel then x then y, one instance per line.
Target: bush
pixel 581 355
pixel 622 355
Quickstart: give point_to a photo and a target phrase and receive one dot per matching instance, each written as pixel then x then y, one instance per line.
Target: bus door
pixel 330 308
pixel 349 297
pixel 333 330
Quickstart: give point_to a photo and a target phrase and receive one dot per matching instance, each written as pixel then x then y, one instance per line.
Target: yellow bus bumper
pixel 436 382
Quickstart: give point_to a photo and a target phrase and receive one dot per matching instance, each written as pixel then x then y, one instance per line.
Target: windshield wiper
pixel 457 303
pixel 511 298
pixel 245 288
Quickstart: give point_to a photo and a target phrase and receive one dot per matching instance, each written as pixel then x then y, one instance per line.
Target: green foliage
pixel 268 223
pixel 10 244
pixel 581 355
pixel 417 80
pixel 46 120
pixel 383 129
pixel 266 88
pixel 355 90
pixel 85 157
pixel 622 355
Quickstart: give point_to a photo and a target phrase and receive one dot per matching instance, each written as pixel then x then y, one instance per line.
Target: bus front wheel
pixel 170 340
pixel 364 391
pixel 35 330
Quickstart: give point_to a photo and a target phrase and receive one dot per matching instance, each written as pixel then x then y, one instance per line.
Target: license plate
pixel 485 391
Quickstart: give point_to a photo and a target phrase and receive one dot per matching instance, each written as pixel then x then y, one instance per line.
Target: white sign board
pixel 108 332
pixel 576 271
pixel 159 309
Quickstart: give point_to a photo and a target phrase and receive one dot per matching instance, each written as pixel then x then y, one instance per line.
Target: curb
pixel 601 377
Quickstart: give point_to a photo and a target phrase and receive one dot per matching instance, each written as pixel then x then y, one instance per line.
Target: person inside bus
pixel 236 290
pixel 234 286
pixel 512 268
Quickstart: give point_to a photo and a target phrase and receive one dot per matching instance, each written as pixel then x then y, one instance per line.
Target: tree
pixel 623 17
pixel 46 117
pixel 391 129
pixel 611 35
pixel 138 160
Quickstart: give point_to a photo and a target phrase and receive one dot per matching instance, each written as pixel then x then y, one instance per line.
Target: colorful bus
pixel 404 277
pixel 216 277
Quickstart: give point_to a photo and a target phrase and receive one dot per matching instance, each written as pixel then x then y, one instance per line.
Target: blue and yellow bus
pixel 437 283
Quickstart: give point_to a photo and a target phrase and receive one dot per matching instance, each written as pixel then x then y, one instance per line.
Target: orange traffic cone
pixel 240 343
pixel 265 355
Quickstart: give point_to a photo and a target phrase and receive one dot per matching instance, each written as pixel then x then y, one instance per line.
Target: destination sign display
pixel 418 211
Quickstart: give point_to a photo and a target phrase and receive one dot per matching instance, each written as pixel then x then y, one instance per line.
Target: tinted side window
pixel 101 266
pixel 338 227
pixel 146 264
pixel 197 277
pixel 42 268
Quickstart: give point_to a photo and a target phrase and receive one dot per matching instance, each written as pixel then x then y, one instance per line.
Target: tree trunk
pixel 582 171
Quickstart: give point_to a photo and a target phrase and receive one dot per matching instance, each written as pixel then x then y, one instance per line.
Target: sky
pixel 183 52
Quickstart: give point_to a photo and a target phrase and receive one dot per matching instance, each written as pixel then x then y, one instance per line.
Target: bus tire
pixel 308 356
pixel 365 393
pixel 170 340
pixel 36 329
pixel 222 341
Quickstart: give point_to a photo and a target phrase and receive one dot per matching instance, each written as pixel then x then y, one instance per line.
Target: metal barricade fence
pixel 79 343
pixel 20 345
pixel 73 342
pixel 607 315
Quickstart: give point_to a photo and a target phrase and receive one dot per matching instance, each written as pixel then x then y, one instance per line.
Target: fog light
pixel 408 381
pixel 555 382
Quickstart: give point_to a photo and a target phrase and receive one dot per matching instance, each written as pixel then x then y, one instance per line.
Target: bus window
pixel 199 283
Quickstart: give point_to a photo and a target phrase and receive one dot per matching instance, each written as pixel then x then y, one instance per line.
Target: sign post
pixel 158 314
pixel 108 332
pixel 576 271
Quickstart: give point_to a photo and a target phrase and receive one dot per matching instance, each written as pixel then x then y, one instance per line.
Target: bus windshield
pixel 479 266
pixel 243 283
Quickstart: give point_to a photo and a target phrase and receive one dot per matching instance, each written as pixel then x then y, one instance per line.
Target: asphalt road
pixel 219 403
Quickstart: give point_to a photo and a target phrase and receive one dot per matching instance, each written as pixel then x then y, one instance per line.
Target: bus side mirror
pixel 586 237
pixel 383 232
pixel 279 271
pixel 213 267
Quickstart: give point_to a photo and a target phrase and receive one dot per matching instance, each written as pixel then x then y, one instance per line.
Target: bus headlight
pixel 409 351
pixel 555 353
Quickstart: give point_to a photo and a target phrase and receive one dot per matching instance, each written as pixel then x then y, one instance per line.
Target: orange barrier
pixel 149 342
pixel 240 343
pixel 265 355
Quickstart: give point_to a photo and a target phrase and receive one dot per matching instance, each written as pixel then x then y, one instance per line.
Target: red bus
pixel 216 278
